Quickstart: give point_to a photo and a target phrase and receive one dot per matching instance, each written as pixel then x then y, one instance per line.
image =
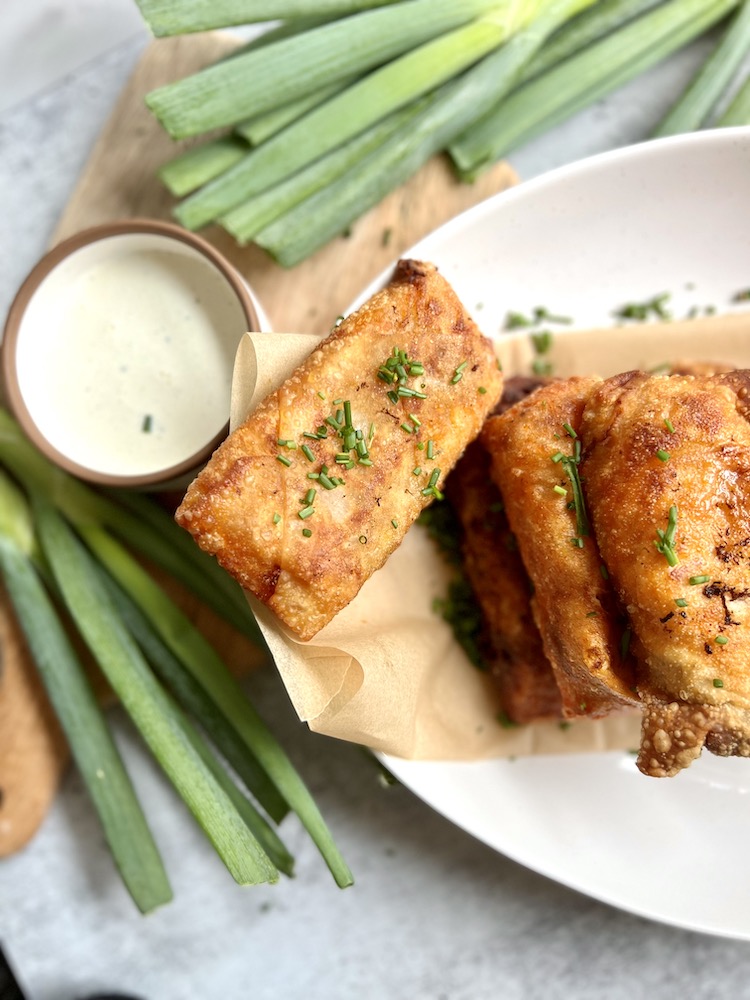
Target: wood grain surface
pixel 119 182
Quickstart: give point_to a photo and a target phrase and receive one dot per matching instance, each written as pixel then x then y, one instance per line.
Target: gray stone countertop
pixel 434 914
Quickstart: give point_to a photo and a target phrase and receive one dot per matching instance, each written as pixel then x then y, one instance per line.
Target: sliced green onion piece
pixel 695 581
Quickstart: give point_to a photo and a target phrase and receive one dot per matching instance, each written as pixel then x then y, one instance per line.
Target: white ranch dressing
pixel 125 354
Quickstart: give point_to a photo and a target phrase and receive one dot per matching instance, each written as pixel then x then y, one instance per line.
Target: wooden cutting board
pixel 119 182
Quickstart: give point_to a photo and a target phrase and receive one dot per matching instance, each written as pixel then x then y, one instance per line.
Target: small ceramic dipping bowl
pixel 118 351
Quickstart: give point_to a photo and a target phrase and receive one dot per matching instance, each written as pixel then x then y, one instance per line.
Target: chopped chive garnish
pixel 371 432
pixel 558 456
pixel 664 541
pixel 662 455
pixel 394 522
pixel 669 425
pixel 322 431
pixel 434 477
pixel 393 396
pixel 276 518
pixel 365 461
pixel 283 443
pixel 342 456
pixel 332 422
pixel 361 449
pixel 561 490
pixel 577 451
pixel 481 390
pixel 722 641
pixel 408 428
pixel 430 449
pixel 457 377
pixel 604 571
pixel 541 341
pixel 338 402
pixel 148 423
pixel 306 512
pixel 340 417
pixel 347 413
pixel 307 453
pixel 405 392
pixel 313 475
pixel 417 470
pixel 570 467
pixel 695 581
pixel 326 483
pixel 349 465
pixel 309 435
pixel 324 470
pixel 284 460
pixel 718 682
pixel 577 541
pixel 307 532
pixel 569 430
pixel 321 395
pixel 420 445
pixel 415 420
pixel 592 614
pixel 415 368
pixel 681 602
pixel 310 496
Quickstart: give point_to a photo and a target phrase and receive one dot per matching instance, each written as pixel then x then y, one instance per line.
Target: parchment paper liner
pixel 386 672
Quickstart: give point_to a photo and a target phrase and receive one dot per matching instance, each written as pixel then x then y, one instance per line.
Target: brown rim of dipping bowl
pixel 13 325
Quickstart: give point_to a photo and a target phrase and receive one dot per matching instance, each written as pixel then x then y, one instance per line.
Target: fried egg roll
pixel 667 472
pixel 311 494
pixel 535 453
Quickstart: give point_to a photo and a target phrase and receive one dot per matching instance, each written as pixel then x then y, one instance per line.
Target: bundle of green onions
pixel 72 581
pixel 327 114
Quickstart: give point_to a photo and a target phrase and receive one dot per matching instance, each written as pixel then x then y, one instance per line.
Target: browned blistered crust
pixel 512 644
pixel 572 602
pixel 230 507
pixel 695 690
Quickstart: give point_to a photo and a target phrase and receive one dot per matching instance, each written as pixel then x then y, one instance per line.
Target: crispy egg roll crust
pixel 573 604
pixel 512 644
pixel 695 689
pixel 231 506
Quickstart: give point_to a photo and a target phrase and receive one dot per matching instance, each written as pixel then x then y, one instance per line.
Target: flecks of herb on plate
pixel 654 308
pixel 459 608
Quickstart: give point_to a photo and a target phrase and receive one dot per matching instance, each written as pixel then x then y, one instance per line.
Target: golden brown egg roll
pixel 535 453
pixel 311 494
pixel 667 469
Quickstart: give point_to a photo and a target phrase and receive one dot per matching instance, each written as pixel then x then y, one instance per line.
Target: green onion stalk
pixel 694 107
pixel 396 85
pixel 61 547
pixel 584 78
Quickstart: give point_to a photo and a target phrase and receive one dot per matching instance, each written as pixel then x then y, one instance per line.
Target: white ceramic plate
pixel 669 216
